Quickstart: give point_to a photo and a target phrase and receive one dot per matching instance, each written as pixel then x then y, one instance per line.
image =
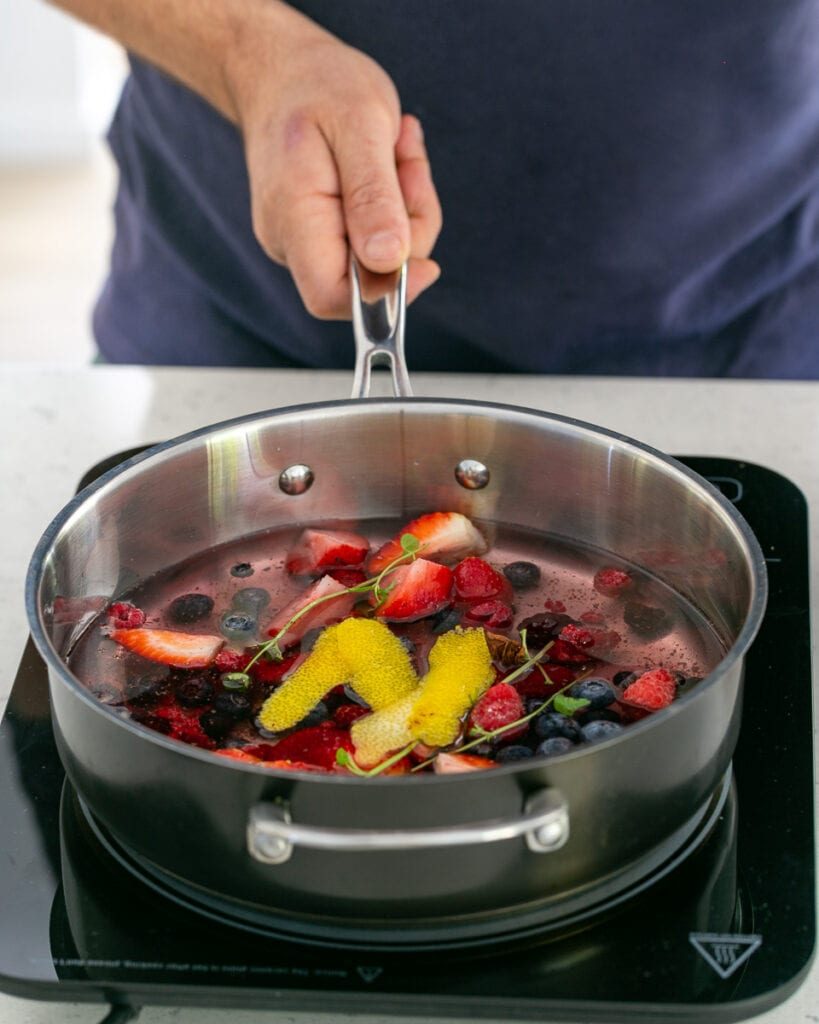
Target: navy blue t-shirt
pixel 628 187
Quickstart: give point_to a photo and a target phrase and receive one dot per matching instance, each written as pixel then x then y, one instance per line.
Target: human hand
pixel 332 163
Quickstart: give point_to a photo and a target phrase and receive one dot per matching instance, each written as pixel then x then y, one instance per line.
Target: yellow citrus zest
pixel 460 670
pixel 361 652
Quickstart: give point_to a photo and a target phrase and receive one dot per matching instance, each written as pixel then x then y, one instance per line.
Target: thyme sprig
pixel 346 760
pixel 410 547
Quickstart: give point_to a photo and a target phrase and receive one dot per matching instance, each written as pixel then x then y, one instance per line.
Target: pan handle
pixel 379 314
pixel 272 836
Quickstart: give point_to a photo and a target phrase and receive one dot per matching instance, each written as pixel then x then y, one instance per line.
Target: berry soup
pixel 437 645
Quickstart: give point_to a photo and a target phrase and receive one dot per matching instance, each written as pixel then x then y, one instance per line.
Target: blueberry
pixel 250 599
pixel 146 691
pixel 194 692
pixel 531 704
pixel 597 715
pixel 647 622
pixel 555 745
pixel 514 752
pixel 189 608
pixel 522 575
pixel 319 714
pixel 550 724
pixel 265 734
pixel 596 732
pixel 237 625
pixel 234 704
pixel 215 724
pixel 598 692
pixel 624 678
pixel 309 639
pixel 242 570
pixel 445 620
pixel 407 644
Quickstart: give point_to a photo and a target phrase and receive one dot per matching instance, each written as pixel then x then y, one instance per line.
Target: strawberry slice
pixel 332 610
pixel 444 764
pixel 415 591
pixel 445 536
pixel 317 550
pixel 166 646
pixel 317 745
pixel 237 754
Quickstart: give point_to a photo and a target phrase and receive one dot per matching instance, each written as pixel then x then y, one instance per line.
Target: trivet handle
pixel 271 835
pixel 379 315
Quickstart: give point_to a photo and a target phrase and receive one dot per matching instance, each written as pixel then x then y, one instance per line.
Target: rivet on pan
pixel 296 479
pixel 471 474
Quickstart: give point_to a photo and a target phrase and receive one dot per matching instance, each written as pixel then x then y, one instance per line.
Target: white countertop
pixel 57 422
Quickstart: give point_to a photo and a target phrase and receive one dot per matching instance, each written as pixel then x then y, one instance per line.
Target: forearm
pixel 211 46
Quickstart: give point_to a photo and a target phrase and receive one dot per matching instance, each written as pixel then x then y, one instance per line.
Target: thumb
pixel 375 214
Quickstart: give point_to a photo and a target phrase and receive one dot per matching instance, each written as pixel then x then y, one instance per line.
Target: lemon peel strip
pixel 361 652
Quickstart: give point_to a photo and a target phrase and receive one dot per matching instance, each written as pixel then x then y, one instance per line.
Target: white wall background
pixel 58 84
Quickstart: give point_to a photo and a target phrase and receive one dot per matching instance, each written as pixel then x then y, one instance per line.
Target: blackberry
pixel 152 721
pixel 189 608
pixel 242 570
pixel 648 622
pixel 215 724
pixel 194 691
pixel 522 575
pixel 540 629
pixel 233 704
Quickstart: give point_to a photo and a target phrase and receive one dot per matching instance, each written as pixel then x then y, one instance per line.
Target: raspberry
pixel 652 690
pixel 124 615
pixel 347 577
pixel 476 580
pixel 648 622
pixel 610 582
pixel 185 727
pixel 576 635
pixel 494 614
pixel 231 661
pixel 499 706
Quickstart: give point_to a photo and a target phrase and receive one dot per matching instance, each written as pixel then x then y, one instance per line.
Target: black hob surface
pixel 726 934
